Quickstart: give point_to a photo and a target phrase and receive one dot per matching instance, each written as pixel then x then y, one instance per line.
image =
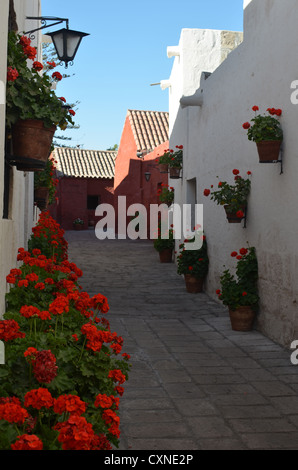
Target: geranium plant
pixel 241 289
pixel 165 158
pixel 193 262
pixel 176 160
pixel 233 195
pixel 165 240
pixel 64 367
pixel 29 93
pixel 46 179
pixel 172 158
pixel 78 221
pixel 264 127
pixel 166 194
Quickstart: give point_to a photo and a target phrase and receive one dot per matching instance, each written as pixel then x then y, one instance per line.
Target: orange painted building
pixel 144 138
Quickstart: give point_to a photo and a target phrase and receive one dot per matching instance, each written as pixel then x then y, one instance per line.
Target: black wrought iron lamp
pixel 66 41
pixel 147 175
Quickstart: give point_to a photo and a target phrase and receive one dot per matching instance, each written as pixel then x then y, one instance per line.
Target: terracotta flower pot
pixel 41 197
pixel 31 144
pixel 175 173
pixel 193 285
pixel 78 226
pixel 232 216
pixel 166 255
pixel 163 167
pixel 268 150
pixel 242 318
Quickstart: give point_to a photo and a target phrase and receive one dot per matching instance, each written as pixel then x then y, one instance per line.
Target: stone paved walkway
pixel 194 384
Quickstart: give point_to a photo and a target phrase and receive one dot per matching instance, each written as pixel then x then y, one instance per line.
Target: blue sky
pixel 126 52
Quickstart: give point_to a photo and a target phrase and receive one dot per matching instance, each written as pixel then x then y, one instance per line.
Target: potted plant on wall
pixel 164 244
pixel 164 160
pixel 267 133
pixel 176 161
pixel 33 111
pixel 166 194
pixel 78 224
pixel 193 265
pixel 45 185
pixel 240 293
pixel 232 196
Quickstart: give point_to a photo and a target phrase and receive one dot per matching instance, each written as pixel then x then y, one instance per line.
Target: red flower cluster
pixel 117 376
pixel 13 412
pixel 27 442
pixel 71 404
pixel 51 285
pixel 9 330
pixel 30 52
pixel 273 111
pixel 57 76
pixel 104 401
pixel 37 66
pixel 100 302
pixel 75 433
pixel 38 398
pixel 44 366
pixel 51 65
pixel 12 74
pixel 242 251
pixel 60 305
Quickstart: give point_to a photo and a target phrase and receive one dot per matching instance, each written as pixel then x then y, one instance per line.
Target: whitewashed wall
pixel 258 72
pixel 15 230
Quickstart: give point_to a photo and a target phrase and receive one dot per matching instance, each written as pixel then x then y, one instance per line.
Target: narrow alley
pixel 194 384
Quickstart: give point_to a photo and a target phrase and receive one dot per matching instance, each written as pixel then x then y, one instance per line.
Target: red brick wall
pixel 72 199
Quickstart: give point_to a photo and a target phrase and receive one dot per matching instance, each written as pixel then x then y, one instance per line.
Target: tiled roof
pixel 81 163
pixel 150 128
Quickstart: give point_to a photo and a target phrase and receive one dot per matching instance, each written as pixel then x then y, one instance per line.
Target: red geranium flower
pixel 27 442
pixel 30 52
pixel 71 111
pixel 12 74
pixel 38 398
pixel 236 172
pixel 206 192
pixel 240 214
pixel 51 65
pixel 9 330
pixel 246 125
pixel 37 66
pixel 57 76
pixel 255 108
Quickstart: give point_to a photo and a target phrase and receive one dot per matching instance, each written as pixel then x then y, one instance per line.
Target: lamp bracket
pixel 43 20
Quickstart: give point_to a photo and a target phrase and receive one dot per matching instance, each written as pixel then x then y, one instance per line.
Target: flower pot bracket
pixel 24 163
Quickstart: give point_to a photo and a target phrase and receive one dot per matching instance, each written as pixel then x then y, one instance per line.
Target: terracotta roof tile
pixel 150 128
pixel 81 163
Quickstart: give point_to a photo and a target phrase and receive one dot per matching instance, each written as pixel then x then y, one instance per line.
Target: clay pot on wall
pixel 268 150
pixel 31 144
pixel 175 173
pixel 232 216
pixel 163 167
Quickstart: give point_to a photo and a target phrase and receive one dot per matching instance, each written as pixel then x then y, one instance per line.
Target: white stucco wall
pixel 15 230
pixel 258 72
